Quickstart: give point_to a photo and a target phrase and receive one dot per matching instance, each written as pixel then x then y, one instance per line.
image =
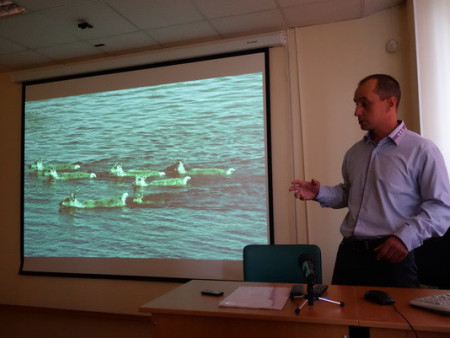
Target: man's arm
pixel 433 216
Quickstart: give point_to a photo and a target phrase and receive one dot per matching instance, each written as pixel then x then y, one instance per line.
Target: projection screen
pixel 158 172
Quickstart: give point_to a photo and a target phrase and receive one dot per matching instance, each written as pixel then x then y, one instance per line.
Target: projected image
pixel 174 171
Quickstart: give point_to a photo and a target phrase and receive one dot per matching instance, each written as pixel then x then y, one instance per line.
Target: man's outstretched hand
pixel 305 190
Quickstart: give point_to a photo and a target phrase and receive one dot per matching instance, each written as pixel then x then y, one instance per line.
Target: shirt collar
pixel 396 135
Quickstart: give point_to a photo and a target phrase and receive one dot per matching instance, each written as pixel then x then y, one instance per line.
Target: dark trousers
pixel 356 264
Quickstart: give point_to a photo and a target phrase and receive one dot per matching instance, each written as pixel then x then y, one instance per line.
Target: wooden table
pixel 185 312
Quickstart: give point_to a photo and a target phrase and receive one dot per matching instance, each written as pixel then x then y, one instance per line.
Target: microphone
pixel 305 262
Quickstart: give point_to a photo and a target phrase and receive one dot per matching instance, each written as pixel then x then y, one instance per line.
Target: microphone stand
pixel 305 261
pixel 310 297
pixel 310 293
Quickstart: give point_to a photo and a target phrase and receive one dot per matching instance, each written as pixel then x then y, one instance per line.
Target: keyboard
pixel 437 303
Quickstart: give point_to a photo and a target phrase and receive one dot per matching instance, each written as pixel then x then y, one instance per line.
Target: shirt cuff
pixel 317 198
pixel 407 234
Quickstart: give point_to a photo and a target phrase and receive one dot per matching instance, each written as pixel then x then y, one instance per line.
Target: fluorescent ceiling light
pixel 9 8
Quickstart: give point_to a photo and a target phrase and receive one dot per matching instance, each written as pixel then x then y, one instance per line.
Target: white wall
pixel 432 30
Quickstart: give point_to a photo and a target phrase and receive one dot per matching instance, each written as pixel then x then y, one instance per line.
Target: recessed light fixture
pixel 8 8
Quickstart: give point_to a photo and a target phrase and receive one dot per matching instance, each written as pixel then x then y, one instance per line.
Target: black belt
pixel 362 244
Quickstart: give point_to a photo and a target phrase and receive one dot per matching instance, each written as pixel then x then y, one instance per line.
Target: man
pixel 396 188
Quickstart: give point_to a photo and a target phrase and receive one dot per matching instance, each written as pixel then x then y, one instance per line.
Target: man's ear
pixel 392 102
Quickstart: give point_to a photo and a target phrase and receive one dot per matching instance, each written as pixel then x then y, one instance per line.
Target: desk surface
pixel 188 300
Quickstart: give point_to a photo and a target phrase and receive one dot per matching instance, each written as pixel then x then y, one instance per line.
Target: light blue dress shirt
pixel 399 187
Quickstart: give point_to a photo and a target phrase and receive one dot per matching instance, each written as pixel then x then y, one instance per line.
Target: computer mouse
pixel 379 297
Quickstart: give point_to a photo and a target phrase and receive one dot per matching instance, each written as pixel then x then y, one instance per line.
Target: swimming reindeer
pixel 109 202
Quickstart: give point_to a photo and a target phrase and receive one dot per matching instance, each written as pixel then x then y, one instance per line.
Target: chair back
pixel 278 263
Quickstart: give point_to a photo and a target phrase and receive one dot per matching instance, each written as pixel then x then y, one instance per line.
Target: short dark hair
pixel 386 86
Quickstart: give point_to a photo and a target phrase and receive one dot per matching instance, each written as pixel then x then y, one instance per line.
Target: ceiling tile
pixel 70 51
pixel 51 26
pixel 256 22
pixel 219 8
pixel 7 46
pixel 156 13
pixel 322 12
pixel 105 20
pixel 188 32
pixel 37 5
pixel 25 58
pixel 32 30
pixel 129 41
pixel 372 6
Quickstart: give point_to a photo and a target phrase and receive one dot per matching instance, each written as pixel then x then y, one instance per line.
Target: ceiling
pixel 48 33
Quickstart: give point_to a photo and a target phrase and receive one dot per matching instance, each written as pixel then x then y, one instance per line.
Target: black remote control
pixel 296 291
